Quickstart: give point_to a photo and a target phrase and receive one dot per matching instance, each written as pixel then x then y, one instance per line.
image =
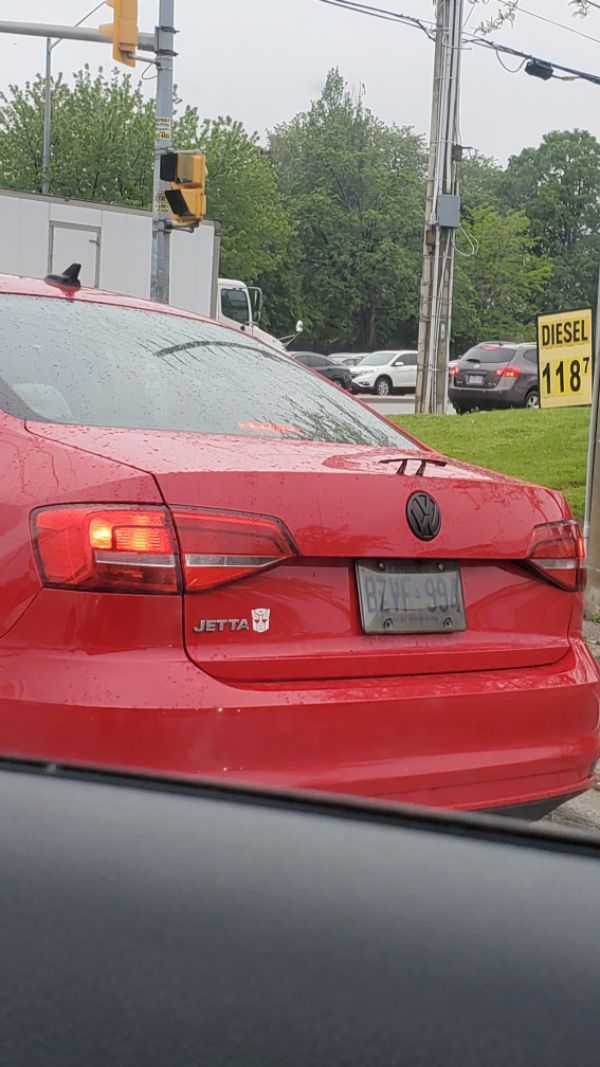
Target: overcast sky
pixel 262 61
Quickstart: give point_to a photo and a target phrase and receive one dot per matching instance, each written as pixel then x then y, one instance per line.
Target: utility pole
pixel 442 214
pixel 591 527
pixel 47 148
pixel 163 141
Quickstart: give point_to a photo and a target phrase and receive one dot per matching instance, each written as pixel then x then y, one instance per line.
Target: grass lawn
pixel 546 447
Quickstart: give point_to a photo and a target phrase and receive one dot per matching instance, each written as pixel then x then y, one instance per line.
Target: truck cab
pixel 241 305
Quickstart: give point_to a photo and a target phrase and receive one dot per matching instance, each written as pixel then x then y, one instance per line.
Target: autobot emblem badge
pixel 261 620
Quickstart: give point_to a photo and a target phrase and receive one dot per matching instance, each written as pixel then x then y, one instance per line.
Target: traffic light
pixel 187 173
pixel 123 30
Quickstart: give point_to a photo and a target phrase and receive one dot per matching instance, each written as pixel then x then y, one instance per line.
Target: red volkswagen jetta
pixel 214 562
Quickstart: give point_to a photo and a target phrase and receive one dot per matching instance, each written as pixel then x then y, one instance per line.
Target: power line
pixel 382 13
pixel 481 42
pixel 561 25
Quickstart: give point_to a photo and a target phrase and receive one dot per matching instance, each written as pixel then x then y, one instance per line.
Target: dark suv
pixel 496 374
pixel 322 365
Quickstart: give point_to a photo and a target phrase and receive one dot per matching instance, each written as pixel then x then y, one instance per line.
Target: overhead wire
pixel 560 25
pixel 472 39
pixel 511 70
pixel 427 26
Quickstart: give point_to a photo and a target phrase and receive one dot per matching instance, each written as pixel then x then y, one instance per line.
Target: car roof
pixel 391 352
pixel 20 285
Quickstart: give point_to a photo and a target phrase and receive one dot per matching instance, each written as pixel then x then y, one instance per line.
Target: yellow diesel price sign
pixel 565 348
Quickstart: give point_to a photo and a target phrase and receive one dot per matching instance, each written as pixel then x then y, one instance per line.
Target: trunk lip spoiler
pixel 422 461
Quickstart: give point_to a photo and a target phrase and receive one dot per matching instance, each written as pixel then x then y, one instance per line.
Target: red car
pixel 213 562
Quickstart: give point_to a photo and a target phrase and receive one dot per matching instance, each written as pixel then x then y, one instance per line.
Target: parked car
pixel 347 359
pixel 269 583
pixel 496 374
pixel 155 923
pixel 384 373
pixel 326 368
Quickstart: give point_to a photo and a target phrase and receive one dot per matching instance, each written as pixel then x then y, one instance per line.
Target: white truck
pixel 44 235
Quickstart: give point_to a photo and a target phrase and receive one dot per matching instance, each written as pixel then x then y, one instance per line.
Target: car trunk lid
pixel 342 504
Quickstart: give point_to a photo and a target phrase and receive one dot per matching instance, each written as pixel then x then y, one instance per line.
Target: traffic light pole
pixel 146 41
pixel 163 141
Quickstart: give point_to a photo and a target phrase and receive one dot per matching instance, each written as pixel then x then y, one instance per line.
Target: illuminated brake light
pixel 125 549
pixel 112 549
pixel 219 547
pixel 558 552
pixel 508 372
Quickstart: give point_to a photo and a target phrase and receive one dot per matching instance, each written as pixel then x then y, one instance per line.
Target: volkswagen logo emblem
pixel 423 516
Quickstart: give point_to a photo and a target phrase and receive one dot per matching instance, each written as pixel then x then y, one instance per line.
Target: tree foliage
pixel 355 189
pixel 328 217
pixel 499 278
pixel 102 139
pixel 103 150
pixel 558 186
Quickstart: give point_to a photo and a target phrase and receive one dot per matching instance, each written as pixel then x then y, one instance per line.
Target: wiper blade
pixel 175 350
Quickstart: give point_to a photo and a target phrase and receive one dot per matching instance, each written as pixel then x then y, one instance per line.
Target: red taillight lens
pixel 558 552
pixel 452 371
pixel 218 547
pixel 116 549
pixel 508 372
pixel 136 550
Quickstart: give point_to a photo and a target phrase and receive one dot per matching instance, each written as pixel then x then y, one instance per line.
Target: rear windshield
pixel 87 364
pixel 491 353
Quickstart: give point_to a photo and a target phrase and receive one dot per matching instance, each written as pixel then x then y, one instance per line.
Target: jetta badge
pixel 423 516
pixel 261 622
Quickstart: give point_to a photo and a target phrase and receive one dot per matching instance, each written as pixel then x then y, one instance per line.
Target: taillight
pixel 218 547
pixel 452 371
pixel 151 550
pixel 507 372
pixel 558 552
pixel 113 549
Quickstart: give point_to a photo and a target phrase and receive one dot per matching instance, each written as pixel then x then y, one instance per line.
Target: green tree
pixel 103 150
pixel 242 195
pixel 499 278
pixel 102 139
pixel 480 183
pixel 558 186
pixel 355 188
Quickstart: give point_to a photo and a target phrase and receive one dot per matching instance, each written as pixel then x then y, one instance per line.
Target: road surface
pixel 392 405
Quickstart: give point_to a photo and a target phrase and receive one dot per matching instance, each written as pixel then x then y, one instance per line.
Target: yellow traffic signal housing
pixel 123 30
pixel 187 174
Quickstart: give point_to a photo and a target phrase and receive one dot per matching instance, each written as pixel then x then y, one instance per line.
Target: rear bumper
pixel 475 740
pixel 536 811
pixel 489 399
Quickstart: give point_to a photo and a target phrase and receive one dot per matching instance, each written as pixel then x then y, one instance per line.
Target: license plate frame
pixel 396 597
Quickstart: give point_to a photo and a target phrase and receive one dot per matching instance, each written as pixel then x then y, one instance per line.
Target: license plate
pixel 406 597
pixel 475 379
